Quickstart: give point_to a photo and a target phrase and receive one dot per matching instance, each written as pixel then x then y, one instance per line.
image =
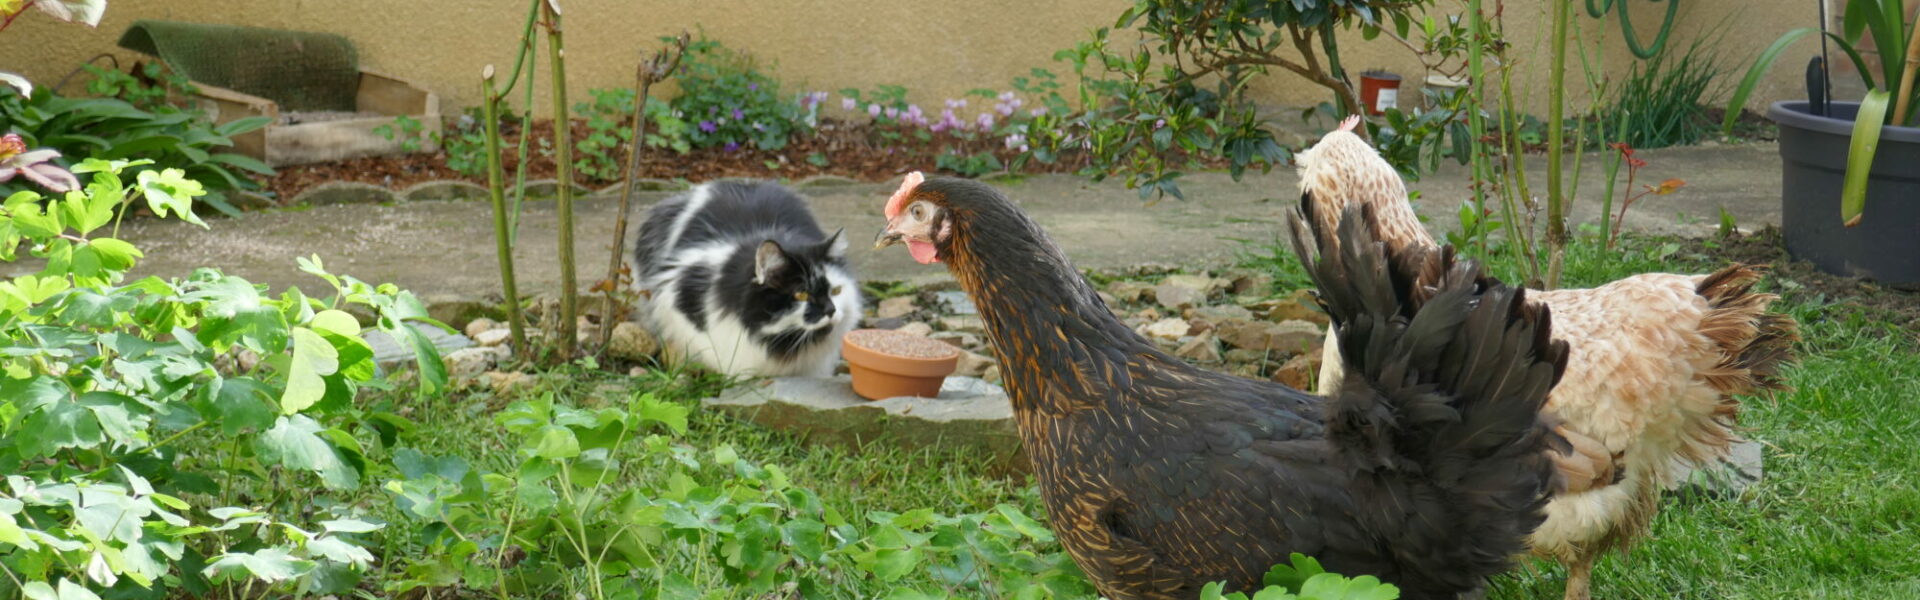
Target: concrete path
pixel 446 248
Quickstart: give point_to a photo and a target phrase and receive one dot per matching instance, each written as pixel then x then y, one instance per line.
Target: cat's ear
pixel 769 261
pixel 836 244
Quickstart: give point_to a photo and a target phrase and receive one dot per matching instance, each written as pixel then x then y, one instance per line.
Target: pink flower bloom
pixel 985 121
pixel 1005 110
pixel 938 127
pixel 1017 140
pixel 849 103
pixel 873 110
pixel 1038 111
pixel 1006 96
pixel 953 103
pixel 892 112
pixel 1160 123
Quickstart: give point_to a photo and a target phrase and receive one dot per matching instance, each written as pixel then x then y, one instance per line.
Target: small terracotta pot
pixel 888 363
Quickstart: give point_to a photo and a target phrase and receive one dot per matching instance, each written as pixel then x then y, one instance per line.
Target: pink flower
pixel 873 110
pixel 1160 123
pixel 913 114
pixel 985 121
pixel 1006 96
pixel 36 165
pixel 953 103
pixel 1040 111
pixel 849 103
pixel 892 112
pixel 1017 141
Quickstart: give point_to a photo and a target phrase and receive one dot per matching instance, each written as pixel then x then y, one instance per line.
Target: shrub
pixel 731 103
pixel 117 128
pixel 103 381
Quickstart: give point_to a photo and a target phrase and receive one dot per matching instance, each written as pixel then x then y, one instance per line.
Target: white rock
pixel 480 325
pixel 1170 329
pixel 631 342
pixel 898 306
pixel 471 362
pixel 973 364
pixel 491 337
pixel 916 328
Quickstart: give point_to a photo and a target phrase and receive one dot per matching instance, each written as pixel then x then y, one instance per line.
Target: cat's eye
pixel 801 296
pixel 834 292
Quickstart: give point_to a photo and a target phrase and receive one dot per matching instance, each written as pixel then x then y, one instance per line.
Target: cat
pixel 742 279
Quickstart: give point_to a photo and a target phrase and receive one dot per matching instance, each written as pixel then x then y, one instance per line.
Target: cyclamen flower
pixel 849 103
pixel 1159 123
pixel 892 112
pixel 1041 111
pixel 948 120
pixel 953 103
pixel 873 110
pixel 1017 141
pixel 709 126
pixel 913 113
pixel 985 121
pixel 757 126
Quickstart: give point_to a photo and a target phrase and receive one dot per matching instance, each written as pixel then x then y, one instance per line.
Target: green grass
pixel 1837 514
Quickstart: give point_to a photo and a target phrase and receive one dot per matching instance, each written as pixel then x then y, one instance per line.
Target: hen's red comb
pixel 899 199
pixel 1349 123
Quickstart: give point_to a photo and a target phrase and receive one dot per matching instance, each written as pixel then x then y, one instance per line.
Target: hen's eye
pixel 834 292
pixel 919 211
pixel 801 296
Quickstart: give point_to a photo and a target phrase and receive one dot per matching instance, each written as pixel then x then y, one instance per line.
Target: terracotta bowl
pixel 888 363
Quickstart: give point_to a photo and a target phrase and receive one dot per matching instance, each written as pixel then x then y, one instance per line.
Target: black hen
pixel 1427 468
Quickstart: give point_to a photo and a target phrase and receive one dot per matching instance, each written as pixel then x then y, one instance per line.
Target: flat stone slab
pixel 969 413
pixel 345 192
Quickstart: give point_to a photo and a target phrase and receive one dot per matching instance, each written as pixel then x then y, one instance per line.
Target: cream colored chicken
pixel 1651 383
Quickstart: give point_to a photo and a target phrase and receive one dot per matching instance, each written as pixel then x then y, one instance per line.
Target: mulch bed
pixel 850 150
pixel 1899 307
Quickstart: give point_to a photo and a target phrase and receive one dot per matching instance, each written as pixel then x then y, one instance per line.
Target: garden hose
pixel 1598 9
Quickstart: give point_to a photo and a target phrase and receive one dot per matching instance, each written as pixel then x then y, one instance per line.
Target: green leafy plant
pixel 1660 102
pixel 464 144
pixel 597 153
pixel 114 83
pixel 970 165
pixel 103 381
pixel 1894 40
pixel 703 522
pixel 1305 579
pixel 731 102
pixel 407 129
pixel 115 129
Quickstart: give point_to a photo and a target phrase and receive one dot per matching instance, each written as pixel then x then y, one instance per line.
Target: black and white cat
pixel 742 279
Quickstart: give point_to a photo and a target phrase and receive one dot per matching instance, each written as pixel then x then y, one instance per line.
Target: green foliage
pixel 597 154
pixel 1306 580
pixel 464 144
pixel 114 128
pixel 731 102
pixel 704 518
pixel 113 83
pixel 102 380
pixel 406 128
pixel 1659 102
pixel 970 165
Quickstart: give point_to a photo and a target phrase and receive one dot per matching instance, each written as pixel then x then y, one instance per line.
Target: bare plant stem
pixel 653 69
pixel 1556 142
pixel 1903 103
pixel 502 234
pixel 563 156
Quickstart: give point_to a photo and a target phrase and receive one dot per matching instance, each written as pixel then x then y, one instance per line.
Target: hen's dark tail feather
pixel 1438 418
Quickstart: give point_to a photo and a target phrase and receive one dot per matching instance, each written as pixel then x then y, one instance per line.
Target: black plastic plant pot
pixel 1885 246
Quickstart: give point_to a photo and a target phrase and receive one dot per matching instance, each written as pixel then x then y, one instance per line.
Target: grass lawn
pixel 1837 514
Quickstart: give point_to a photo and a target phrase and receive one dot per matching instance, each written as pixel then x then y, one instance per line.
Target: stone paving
pixel 442 247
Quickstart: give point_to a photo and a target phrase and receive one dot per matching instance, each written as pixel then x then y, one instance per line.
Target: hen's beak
pixel 887 237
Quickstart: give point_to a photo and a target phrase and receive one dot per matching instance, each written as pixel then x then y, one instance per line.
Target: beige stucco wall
pixel 937 49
